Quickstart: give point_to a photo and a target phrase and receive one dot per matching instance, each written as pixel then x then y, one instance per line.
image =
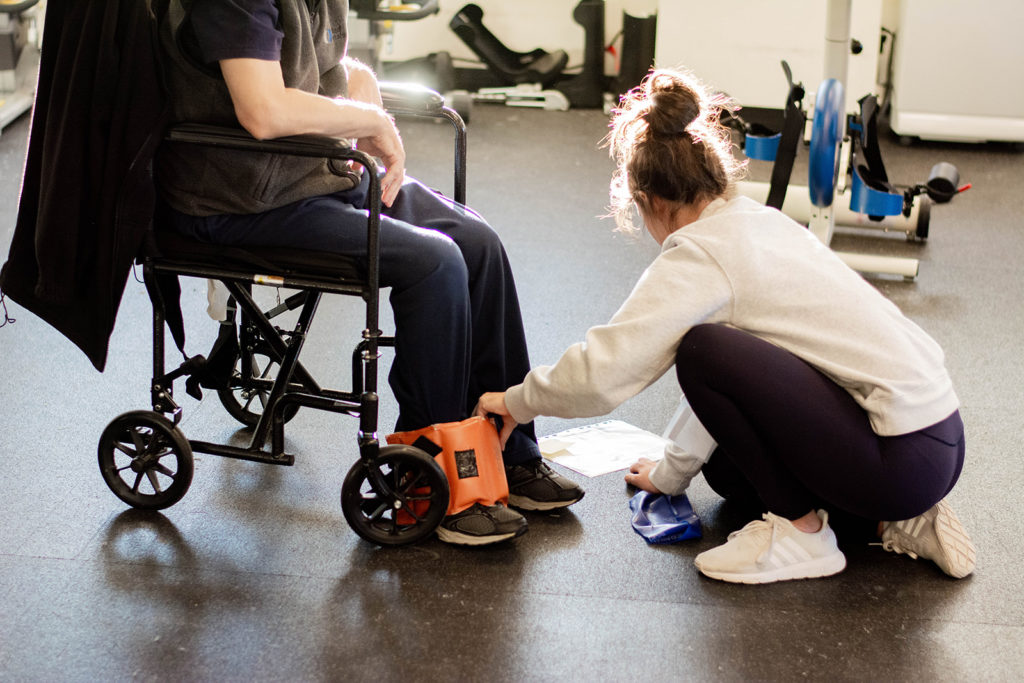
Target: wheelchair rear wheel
pixel 409 510
pixel 246 396
pixel 145 460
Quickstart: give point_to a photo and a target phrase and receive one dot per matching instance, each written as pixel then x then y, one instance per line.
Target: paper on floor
pixel 601 448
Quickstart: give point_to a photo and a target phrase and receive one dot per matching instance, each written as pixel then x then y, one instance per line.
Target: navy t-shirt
pixel 236 29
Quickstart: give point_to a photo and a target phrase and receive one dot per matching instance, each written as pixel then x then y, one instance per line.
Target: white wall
pixel 737 47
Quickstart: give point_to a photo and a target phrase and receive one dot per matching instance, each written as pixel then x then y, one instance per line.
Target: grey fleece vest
pixel 202 181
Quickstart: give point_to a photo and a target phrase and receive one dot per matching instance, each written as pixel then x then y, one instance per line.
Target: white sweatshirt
pixel 755 269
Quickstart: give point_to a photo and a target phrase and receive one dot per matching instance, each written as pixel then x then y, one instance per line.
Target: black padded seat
pixel 173 248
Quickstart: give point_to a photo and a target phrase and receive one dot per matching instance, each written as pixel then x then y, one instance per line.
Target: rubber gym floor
pixel 255 575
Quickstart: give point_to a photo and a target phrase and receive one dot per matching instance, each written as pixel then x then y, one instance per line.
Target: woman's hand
pixel 640 475
pixel 493 403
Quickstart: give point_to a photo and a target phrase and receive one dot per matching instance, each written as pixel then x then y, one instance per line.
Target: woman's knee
pixel 696 343
pixel 697 351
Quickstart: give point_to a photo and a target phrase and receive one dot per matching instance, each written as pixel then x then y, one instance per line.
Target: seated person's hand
pixel 639 475
pixel 389 149
pixel 387 145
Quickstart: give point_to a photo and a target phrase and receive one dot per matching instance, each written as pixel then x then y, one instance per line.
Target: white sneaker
pixel 771 550
pixel 936 535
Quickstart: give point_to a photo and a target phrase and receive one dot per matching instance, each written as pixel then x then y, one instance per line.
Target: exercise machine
pixel 538 78
pixel 19 57
pixel 844 155
pixel 380 18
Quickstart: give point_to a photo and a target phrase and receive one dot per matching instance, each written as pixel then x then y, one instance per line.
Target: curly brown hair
pixel 668 141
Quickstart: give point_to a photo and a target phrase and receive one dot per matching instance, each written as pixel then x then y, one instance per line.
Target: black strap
pixel 7 317
pixel 789 142
pixel 220 362
pixel 165 294
pixel 427 446
pixel 869 138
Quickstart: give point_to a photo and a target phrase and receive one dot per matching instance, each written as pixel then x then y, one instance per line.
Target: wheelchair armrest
pixel 295 145
pixel 411 98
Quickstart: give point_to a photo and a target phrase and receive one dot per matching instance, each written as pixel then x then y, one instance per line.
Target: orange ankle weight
pixel 469 452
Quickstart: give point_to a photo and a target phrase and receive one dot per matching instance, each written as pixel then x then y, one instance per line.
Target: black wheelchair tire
pixel 421 494
pixel 140 443
pixel 240 406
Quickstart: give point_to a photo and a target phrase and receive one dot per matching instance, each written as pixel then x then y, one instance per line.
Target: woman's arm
pixel 683 287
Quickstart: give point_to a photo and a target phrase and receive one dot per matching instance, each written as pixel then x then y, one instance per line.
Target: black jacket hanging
pixel 87 196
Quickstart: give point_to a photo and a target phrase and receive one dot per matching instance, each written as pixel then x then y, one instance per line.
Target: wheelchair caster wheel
pixel 145 460
pixel 246 397
pixel 411 507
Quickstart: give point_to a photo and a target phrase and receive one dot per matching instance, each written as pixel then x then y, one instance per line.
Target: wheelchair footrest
pixel 241 453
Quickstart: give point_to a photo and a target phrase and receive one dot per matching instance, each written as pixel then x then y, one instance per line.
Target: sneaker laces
pixel 758 527
pixel 892 544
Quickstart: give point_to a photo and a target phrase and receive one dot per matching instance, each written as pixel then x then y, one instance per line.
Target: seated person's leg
pixel 429 292
pixel 499 356
pixel 452 290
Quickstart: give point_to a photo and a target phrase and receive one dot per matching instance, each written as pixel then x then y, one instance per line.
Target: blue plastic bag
pixel 664 519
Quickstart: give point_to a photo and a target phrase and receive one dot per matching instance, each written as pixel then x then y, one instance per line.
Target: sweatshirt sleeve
pixel 683 287
pixel 674 472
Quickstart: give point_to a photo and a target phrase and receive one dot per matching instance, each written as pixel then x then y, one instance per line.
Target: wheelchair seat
pixel 173 251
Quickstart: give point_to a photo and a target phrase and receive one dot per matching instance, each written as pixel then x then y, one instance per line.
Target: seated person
pixel 279 69
pixel 823 397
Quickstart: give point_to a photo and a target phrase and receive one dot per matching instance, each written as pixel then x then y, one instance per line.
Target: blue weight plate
pixel 826 134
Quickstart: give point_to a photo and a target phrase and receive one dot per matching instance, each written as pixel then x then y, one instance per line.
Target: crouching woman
pixel 820 393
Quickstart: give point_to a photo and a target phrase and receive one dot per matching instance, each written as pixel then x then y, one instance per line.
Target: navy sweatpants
pixel 458 327
pixel 794 440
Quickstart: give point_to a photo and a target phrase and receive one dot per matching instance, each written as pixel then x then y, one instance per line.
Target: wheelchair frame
pixel 392 495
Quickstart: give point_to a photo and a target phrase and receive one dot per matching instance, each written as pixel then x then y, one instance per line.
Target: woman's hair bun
pixel 674 105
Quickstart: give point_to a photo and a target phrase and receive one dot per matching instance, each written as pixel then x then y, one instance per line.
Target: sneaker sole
pixel 815 569
pixel 959 554
pixel 524 503
pixel 458 538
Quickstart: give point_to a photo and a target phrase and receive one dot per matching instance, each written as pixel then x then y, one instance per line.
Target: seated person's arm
pixel 268 109
pixel 362 82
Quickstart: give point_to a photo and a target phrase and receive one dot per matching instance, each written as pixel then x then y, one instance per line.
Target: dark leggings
pixel 794 440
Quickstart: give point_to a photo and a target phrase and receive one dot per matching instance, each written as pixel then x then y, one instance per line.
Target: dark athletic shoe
pixel 481 524
pixel 535 486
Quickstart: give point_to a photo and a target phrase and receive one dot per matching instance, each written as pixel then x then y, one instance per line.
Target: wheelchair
pixel 393 494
